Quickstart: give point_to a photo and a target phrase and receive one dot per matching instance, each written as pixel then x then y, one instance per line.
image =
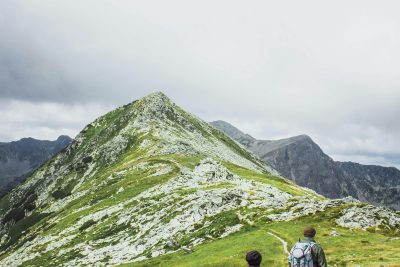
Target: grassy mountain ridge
pixel 149 181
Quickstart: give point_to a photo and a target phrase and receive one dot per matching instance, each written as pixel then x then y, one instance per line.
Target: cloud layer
pixel 274 69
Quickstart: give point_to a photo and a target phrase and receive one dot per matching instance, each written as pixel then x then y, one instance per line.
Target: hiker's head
pixel 309 231
pixel 253 258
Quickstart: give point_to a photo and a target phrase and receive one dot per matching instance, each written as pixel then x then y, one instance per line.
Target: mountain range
pixel 19 159
pixel 149 184
pixel 300 159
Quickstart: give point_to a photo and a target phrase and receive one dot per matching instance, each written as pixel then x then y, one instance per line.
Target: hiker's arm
pixel 321 258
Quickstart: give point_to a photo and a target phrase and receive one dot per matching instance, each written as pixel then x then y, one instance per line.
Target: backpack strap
pixel 312 243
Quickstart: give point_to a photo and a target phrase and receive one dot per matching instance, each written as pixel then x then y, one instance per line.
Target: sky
pixel 274 69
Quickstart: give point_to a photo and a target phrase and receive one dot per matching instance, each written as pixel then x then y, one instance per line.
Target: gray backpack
pixel 300 255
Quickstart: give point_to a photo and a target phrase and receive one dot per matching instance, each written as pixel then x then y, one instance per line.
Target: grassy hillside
pixel 351 248
pixel 361 247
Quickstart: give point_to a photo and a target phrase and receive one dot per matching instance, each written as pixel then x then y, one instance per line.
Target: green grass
pixel 266 178
pixel 184 160
pixel 227 252
pixel 217 226
pixel 350 248
pixel 133 182
pixel 210 186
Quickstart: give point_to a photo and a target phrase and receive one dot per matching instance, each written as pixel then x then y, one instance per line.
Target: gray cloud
pixel 45 120
pixel 275 69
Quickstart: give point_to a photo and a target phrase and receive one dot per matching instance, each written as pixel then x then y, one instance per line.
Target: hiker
pixel 306 252
pixel 253 259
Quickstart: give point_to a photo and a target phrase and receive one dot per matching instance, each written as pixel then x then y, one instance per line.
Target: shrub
pixel 15 214
pixel 87 159
pixel 86 225
pixel 60 193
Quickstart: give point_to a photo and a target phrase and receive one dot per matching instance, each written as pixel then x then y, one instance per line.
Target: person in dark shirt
pixel 318 255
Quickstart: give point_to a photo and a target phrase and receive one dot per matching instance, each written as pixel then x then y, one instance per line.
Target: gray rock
pixel 369 216
pixel 187 250
pixel 334 233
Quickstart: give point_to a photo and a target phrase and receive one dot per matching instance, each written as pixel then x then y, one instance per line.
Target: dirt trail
pixel 284 243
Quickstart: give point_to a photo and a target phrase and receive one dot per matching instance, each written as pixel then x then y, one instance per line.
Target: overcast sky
pixel 274 69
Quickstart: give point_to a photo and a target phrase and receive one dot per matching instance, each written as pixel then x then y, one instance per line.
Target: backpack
pixel 300 255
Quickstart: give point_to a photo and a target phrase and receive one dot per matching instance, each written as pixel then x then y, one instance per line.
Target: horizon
pixel 209 122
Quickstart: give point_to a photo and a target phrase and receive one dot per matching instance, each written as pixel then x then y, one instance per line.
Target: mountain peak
pixel 26 139
pixel 161 127
pixel 62 138
pixel 156 98
pixel 155 105
pixel 302 137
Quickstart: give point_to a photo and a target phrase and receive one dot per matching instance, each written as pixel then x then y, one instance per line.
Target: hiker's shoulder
pixel 316 248
pixel 314 243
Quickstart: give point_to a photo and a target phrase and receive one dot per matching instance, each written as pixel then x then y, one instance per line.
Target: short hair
pixel 309 231
pixel 253 258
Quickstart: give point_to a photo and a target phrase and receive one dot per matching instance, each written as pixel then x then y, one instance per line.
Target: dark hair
pixel 309 231
pixel 253 258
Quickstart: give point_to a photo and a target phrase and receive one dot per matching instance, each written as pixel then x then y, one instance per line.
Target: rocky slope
pixel 149 180
pixel 19 159
pixel 301 160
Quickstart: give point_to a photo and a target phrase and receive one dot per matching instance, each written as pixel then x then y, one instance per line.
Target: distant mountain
pixel 300 159
pixel 149 184
pixel 19 159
